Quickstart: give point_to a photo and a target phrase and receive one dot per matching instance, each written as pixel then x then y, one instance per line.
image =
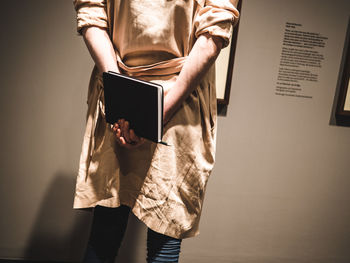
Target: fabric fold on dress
pixel 98 112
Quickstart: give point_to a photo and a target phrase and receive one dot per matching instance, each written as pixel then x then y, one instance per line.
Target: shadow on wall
pixel 60 233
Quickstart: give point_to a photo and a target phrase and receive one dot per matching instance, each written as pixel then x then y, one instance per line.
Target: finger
pixel 133 136
pixel 118 133
pixel 125 144
pixel 115 127
pixel 120 126
pixel 118 136
pixel 121 141
pixel 140 142
pixel 126 132
pixel 137 140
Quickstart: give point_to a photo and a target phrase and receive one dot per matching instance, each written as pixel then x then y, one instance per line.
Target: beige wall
pixel 279 191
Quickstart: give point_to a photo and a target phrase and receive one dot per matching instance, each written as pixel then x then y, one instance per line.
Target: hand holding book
pixel 125 136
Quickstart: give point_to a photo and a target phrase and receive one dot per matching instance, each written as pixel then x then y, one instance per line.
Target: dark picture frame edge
pixel 228 82
pixel 343 116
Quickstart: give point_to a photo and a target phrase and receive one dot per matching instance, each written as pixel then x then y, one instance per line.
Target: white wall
pixel 279 191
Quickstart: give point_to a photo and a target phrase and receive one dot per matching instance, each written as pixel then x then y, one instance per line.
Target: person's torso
pixel 149 31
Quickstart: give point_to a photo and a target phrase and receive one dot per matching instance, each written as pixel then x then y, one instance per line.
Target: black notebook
pixel 137 101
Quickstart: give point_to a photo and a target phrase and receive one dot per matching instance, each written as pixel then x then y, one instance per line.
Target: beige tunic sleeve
pixel 217 18
pixel 91 13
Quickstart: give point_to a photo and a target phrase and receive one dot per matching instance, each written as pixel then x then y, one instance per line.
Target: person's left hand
pixel 125 136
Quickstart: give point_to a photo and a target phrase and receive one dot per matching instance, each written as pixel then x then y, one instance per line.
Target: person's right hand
pixel 125 136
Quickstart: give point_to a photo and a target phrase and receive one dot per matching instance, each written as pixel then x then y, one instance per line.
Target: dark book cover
pixel 137 101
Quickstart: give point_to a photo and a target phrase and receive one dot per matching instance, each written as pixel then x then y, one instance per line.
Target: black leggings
pixel 107 232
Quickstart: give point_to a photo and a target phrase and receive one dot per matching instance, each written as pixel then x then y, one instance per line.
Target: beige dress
pixel 163 185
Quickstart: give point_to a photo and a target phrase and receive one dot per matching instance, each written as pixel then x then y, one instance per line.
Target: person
pixel 172 43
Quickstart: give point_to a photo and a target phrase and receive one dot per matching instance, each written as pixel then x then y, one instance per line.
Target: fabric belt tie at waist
pixel 166 67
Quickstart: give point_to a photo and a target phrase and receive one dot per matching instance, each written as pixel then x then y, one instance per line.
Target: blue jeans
pixel 107 232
